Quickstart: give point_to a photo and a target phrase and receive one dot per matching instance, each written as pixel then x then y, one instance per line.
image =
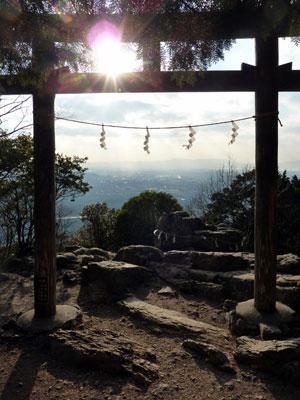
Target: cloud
pixel 163 110
pixel 242 51
pixel 289 52
pixel 100 107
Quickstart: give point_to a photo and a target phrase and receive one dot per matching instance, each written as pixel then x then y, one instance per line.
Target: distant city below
pixel 115 186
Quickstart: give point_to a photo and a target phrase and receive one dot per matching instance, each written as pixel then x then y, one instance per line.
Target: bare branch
pixel 17 105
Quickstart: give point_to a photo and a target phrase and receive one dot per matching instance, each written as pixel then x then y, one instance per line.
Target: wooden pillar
pixel 266 101
pixel 44 205
pixel 44 182
pixel 151 56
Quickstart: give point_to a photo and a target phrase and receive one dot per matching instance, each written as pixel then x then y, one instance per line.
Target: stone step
pixel 208 290
pixel 237 285
pixel 117 278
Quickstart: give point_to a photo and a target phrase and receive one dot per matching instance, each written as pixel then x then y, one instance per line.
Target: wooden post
pixel 44 205
pixel 266 101
pixel 151 56
pixel 44 183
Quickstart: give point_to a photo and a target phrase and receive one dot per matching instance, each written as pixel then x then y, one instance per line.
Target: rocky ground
pixel 145 340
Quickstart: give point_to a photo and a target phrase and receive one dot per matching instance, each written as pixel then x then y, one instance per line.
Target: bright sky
pixel 178 109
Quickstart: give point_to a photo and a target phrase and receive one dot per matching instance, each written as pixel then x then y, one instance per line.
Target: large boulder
pixel 209 261
pixel 139 255
pixel 217 261
pixel 208 290
pixel 225 239
pixel 179 231
pixel 116 277
pixel 279 357
pixel 66 261
pixel 85 259
pixel 94 251
pixel 80 251
pixel 210 353
pixel 288 264
pixel 178 257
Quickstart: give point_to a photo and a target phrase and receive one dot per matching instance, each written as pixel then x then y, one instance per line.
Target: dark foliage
pixel 138 217
pixel 98 226
pixel 16 189
pixel 234 205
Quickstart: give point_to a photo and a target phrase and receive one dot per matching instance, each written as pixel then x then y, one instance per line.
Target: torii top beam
pixel 239 23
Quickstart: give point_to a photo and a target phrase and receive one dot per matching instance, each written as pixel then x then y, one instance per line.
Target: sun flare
pixel 112 57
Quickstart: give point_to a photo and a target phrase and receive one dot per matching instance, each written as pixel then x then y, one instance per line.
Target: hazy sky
pixel 178 109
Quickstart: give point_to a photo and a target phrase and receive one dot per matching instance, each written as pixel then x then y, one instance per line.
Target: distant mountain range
pixel 179 164
pixel 170 165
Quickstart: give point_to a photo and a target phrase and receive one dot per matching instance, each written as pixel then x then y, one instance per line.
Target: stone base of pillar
pixel 66 317
pixel 246 320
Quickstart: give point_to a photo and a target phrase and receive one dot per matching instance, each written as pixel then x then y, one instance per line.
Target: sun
pixel 112 57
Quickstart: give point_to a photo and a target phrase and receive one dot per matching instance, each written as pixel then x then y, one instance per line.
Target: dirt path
pixel 29 371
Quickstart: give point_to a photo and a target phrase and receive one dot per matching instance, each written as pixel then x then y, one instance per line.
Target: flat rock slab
pixel 237 285
pixel 139 255
pixel 218 261
pixel 209 290
pixel 117 277
pixel 172 320
pixel 105 351
pixel 280 357
pixel 212 354
pixel 208 261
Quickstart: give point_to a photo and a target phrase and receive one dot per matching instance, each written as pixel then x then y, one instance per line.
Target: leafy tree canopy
pixel 234 205
pixel 138 217
pixel 98 226
pixel 16 187
pixel 181 55
pixel 175 55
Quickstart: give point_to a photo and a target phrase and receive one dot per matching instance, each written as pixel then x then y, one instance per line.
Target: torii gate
pixel 266 79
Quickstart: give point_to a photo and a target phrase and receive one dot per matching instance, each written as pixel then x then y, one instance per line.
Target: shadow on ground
pixel 22 379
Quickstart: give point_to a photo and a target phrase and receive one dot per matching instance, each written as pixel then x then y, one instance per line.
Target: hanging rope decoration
pixel 234 130
pixel 102 138
pixel 192 132
pixel 146 142
pixel 191 140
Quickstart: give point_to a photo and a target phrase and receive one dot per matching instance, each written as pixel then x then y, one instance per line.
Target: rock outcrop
pixel 139 255
pixel 116 278
pixel 105 351
pixel 209 353
pixel 279 357
pixel 180 231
